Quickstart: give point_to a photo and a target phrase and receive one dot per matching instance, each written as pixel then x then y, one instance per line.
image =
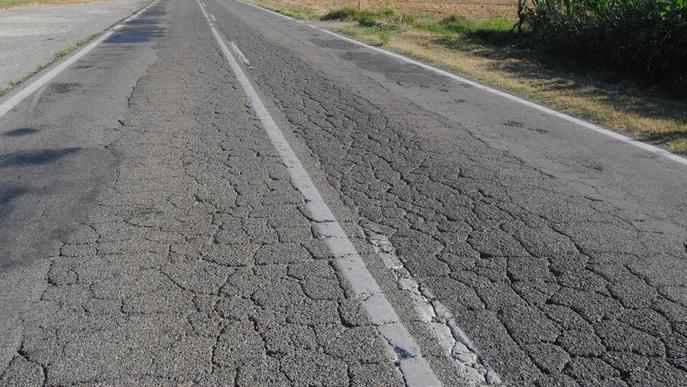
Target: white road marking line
pixel 402 346
pixel 312 26
pixel 239 53
pixel 47 77
pixel 587 125
pixel 439 319
pixel 213 18
pixel 266 10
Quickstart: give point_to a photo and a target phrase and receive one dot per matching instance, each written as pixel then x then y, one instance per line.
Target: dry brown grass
pixel 625 107
pixel 480 9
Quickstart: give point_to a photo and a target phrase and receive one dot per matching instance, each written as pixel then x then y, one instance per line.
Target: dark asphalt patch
pixel 136 34
pixel 37 157
pixel 392 69
pixel 19 132
pixel 336 44
pixel 514 124
pixel 61 88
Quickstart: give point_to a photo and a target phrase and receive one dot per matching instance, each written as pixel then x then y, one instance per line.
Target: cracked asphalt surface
pixel 150 233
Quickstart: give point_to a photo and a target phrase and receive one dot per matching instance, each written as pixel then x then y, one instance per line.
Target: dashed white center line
pixel 402 347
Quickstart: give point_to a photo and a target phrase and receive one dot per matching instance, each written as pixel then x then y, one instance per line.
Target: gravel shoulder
pixel 31 37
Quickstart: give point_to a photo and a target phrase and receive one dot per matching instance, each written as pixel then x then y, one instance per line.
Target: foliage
pixel 367 19
pixel 345 13
pixel 496 30
pixel 641 38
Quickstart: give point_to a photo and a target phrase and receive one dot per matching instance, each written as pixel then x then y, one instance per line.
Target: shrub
pixel 366 19
pixel 345 13
pixel 644 38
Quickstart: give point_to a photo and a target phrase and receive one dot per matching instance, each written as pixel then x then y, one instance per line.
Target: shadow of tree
pixel 663 137
pixel 621 94
pixel 19 132
pixel 37 157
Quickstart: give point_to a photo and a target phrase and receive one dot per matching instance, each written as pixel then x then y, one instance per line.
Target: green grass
pixel 345 13
pixel 58 55
pixel 376 35
pixel 498 30
pixel 386 20
pixel 11 85
pixel 297 12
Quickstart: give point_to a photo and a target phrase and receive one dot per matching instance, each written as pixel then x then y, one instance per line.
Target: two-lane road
pixel 216 194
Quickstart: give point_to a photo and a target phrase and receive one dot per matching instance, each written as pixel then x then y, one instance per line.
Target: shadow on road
pixel 20 132
pixel 37 157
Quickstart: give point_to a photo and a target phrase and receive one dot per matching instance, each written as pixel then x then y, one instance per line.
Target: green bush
pixel 643 38
pixel 345 13
pixel 367 19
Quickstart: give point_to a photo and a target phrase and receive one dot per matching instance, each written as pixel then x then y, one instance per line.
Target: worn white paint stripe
pixel 474 369
pixel 403 348
pixel 239 53
pixel 33 86
pixel 267 10
pixel 587 125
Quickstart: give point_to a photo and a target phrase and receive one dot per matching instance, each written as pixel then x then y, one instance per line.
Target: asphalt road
pixel 31 36
pixel 155 229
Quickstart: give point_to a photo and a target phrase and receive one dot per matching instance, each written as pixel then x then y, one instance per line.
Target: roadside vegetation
pixel 644 39
pixel 520 46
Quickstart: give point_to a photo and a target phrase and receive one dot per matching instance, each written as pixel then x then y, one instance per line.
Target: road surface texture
pixel 30 37
pixel 152 233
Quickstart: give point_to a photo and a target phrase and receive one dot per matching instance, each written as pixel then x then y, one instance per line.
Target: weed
pixel 297 12
pixel 387 11
pixel 345 13
pixel 366 19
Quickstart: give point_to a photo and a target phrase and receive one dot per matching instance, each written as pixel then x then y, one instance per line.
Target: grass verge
pixel 58 55
pixel 485 49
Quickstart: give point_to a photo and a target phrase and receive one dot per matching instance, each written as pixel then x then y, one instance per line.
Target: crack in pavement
pixel 554 287
pixel 197 264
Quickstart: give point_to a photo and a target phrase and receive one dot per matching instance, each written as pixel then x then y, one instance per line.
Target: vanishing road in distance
pixel 215 194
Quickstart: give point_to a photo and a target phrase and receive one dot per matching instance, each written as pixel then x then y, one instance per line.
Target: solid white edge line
pixel 266 10
pixel 585 124
pixel 402 347
pixel 36 84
